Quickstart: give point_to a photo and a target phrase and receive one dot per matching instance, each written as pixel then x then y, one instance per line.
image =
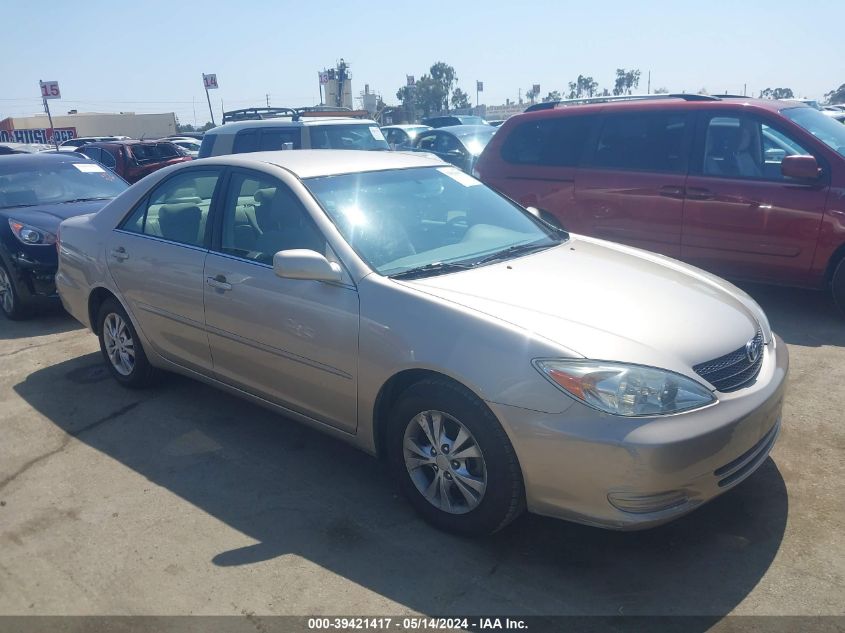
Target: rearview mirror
pixel 800 167
pixel 305 264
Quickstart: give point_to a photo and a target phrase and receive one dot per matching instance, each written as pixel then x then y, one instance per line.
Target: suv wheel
pixel 453 460
pixel 837 286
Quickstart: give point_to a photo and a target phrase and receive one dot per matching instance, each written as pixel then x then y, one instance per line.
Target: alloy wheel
pixel 120 347
pixel 7 296
pixel 444 462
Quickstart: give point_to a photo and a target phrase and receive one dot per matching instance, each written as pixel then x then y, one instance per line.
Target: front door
pixel 632 189
pixel 156 257
pixel 742 217
pixel 293 342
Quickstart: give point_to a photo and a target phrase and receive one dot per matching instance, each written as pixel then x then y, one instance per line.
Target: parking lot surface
pixel 184 500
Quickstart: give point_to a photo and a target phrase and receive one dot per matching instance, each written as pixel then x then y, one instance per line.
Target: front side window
pixel 57 183
pixel 262 216
pixel 178 209
pixel 556 142
pixel 744 147
pixel 352 136
pixel 643 141
pixel 827 129
pixel 427 142
pixel 107 159
pixel 407 219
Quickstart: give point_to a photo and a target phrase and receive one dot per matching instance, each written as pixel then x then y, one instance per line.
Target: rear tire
pixel 10 301
pixel 453 460
pixel 121 347
pixel 837 286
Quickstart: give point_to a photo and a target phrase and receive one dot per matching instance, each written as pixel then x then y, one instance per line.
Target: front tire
pixel 121 347
pixel 10 301
pixel 453 460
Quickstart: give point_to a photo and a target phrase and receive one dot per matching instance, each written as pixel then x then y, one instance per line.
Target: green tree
pixel 583 87
pixel 626 81
pixel 444 75
pixel 777 93
pixel 429 95
pixel 460 99
pixel 661 91
pixel 554 95
pixel 836 96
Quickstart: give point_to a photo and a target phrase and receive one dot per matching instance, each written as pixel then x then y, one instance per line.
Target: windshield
pixel 150 152
pixel 824 128
pixel 404 219
pixel 472 120
pixel 355 136
pixel 56 183
pixel 475 142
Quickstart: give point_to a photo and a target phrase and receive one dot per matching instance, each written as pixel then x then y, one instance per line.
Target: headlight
pixel 627 390
pixel 31 235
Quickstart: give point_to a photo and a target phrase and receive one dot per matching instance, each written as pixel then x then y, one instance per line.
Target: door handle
pixel 699 193
pixel 672 191
pixel 219 283
pixel 119 253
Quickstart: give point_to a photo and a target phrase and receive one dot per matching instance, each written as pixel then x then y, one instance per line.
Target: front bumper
pixel 34 278
pixel 653 469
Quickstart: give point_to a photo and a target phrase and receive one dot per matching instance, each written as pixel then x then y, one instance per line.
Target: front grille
pixel 732 371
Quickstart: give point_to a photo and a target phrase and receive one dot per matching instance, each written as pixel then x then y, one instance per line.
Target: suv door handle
pixel 672 191
pixel 119 253
pixel 699 193
pixel 219 282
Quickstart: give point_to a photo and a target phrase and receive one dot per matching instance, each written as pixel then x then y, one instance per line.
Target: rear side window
pixel 557 142
pixel 355 136
pixel 207 145
pixel 643 141
pixel 245 141
pixel 274 139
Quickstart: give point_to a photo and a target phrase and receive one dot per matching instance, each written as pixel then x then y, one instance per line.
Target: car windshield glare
pixel 824 128
pixel 57 183
pixel 404 219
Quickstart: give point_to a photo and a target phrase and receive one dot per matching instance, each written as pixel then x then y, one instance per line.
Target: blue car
pixel 37 192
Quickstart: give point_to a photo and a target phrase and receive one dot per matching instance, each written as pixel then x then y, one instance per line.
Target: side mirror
pixel 800 168
pixel 305 264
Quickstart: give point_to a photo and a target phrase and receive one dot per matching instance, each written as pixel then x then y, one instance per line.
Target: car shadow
pixel 800 316
pixel 296 491
pixel 48 320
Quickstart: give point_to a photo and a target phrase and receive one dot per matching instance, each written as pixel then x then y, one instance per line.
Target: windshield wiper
pixel 434 268
pixel 85 199
pixel 512 251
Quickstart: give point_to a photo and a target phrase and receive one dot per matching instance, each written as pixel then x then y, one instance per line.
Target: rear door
pixel 538 162
pixel 156 257
pixel 632 189
pixel 742 217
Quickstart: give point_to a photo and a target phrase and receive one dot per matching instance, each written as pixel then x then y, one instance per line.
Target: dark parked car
pixel 746 188
pixel 459 144
pixel 402 136
pixel 37 192
pixel 453 119
pixel 132 160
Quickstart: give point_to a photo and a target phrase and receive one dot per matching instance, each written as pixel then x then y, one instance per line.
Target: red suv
pixel 746 188
pixel 132 160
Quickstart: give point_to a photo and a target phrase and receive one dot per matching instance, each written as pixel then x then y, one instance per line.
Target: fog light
pixel 642 504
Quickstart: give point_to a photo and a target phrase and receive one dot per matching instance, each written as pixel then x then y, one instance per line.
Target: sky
pixel 149 56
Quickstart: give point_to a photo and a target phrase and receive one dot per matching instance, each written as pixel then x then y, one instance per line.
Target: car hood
pixel 49 216
pixel 610 302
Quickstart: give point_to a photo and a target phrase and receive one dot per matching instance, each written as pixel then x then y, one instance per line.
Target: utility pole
pixel 648 90
pixel 268 99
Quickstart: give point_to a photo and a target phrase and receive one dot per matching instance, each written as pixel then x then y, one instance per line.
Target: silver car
pixel 393 301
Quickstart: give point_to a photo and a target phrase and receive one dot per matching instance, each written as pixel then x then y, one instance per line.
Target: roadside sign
pixel 410 79
pixel 536 89
pixel 50 90
pixel 210 81
pixel 324 77
pixel 479 86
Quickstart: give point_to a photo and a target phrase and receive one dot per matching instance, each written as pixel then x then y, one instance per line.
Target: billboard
pixel 38 135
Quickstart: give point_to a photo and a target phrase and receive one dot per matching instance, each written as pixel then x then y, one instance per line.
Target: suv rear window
pixel 643 141
pixel 265 139
pixel 354 136
pixel 557 142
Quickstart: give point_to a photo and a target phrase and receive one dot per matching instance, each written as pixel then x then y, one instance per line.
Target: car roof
pixel 467 130
pixel 660 102
pixel 128 142
pixel 23 161
pixel 236 126
pixel 312 163
pixel 404 126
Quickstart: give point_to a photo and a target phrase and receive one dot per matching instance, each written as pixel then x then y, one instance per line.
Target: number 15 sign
pixel 50 90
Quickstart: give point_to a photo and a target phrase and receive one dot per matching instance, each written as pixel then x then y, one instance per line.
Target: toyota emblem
pixel 753 349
